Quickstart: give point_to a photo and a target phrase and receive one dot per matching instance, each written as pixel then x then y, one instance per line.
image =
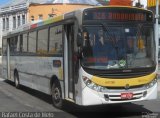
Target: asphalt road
pixel 26 100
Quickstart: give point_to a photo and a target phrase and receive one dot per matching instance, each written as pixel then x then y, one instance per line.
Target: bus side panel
pixel 36 72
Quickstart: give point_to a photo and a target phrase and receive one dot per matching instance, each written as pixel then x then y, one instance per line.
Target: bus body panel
pixel 36 72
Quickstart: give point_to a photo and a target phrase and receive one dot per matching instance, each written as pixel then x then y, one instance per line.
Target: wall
pixel 55 9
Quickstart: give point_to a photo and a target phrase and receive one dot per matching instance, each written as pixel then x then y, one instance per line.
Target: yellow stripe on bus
pixel 123 82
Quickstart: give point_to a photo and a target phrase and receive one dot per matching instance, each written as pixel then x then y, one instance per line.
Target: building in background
pixel 39 12
pixel 20 13
pixel 12 15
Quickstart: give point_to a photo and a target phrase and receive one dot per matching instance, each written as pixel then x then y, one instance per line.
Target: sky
pixel 144 2
pixel 4 2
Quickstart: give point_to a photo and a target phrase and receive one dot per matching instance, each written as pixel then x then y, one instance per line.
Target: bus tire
pixel 16 80
pixel 56 94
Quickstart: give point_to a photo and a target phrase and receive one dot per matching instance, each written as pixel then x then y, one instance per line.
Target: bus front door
pixel 69 62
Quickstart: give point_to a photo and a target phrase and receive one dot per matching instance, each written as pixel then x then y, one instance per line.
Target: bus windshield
pixel 118 47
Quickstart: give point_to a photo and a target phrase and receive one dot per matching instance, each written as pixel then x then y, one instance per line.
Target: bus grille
pixel 111 97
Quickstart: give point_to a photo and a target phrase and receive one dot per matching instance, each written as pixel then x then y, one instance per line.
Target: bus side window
pixel 42 41
pixel 13 44
pixel 55 43
pixel 17 44
pixel 32 42
pixel 21 43
pixel 24 43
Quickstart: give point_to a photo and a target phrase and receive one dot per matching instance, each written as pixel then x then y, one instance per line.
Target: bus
pixel 91 56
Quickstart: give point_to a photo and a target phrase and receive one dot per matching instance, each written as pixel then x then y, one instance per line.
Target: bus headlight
pixel 93 85
pixel 151 84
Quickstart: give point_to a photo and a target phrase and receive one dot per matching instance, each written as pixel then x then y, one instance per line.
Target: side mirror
pixel 79 38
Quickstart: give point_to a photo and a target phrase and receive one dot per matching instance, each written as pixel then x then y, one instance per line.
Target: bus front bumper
pixel 92 97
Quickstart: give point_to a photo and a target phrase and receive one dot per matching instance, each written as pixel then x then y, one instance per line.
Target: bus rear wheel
pixel 16 80
pixel 57 95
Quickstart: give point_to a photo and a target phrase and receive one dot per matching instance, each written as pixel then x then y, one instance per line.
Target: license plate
pixel 126 95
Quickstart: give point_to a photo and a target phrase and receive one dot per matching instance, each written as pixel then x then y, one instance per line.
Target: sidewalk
pixel 1 79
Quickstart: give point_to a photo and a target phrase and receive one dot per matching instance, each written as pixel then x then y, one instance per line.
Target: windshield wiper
pixel 107 30
pixel 111 38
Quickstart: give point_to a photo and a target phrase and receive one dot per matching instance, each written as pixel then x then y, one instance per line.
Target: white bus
pixel 92 56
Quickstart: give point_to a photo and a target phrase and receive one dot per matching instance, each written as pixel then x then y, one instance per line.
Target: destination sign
pixel 117 14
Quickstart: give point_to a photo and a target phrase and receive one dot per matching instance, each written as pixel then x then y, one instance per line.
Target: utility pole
pixel 157 30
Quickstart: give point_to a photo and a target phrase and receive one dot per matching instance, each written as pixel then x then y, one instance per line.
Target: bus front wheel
pixel 57 95
pixel 16 80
